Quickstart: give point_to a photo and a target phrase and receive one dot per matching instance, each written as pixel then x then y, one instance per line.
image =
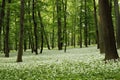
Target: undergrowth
pixel 76 64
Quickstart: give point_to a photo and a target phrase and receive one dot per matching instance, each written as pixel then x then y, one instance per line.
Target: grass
pixel 76 64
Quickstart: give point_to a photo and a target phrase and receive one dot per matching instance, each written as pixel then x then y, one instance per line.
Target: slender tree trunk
pixel 117 16
pixel 65 25
pixel 4 38
pixel 89 35
pixel 29 29
pixel 80 27
pixel 16 36
pixel 53 30
pixel 96 24
pixel 29 46
pixel 42 31
pixel 53 38
pixel 46 39
pixel 25 44
pixel 2 14
pixel 80 34
pixel 74 34
pixel 60 42
pixel 31 40
pixel 16 45
pixel 32 43
pixel 107 29
pixel 68 37
pixel 85 28
pixel 75 22
pixel 7 30
pixel 35 28
pixel 20 50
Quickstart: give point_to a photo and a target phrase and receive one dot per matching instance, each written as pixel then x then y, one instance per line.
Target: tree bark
pixel 16 36
pixel 85 28
pixel 80 26
pixel 65 25
pixel 2 15
pixel 46 39
pixel 53 30
pixel 7 30
pixel 107 29
pixel 31 40
pixel 96 24
pixel 35 28
pixel 101 40
pixel 25 44
pixel 20 50
pixel 60 42
pixel 42 31
pixel 117 16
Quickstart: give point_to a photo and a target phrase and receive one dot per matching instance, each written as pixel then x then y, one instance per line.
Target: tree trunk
pixel 16 36
pixel 2 14
pixel 7 30
pixel 107 29
pixel 42 31
pixel 16 45
pixel 89 34
pixel 46 39
pixel 74 34
pixel 31 40
pixel 53 38
pixel 20 50
pixel 65 25
pixel 25 44
pixel 80 27
pixel 101 40
pixel 4 38
pixel 117 16
pixel 85 28
pixel 35 28
pixel 60 42
pixel 53 30
pixel 96 24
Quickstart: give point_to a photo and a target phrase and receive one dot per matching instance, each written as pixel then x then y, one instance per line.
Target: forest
pixel 59 39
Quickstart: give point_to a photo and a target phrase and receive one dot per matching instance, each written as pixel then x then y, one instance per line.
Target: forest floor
pixel 75 64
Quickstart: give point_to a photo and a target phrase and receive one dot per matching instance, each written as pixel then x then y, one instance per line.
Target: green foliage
pixel 63 71
pixel 76 64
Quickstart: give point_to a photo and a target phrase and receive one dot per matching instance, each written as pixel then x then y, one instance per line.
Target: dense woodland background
pixel 38 24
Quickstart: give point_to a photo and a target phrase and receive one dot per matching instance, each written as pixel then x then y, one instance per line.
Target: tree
pixel 60 42
pixel 42 31
pixel 80 25
pixel 101 40
pixel 65 24
pixel 96 23
pixel 20 50
pixel 74 23
pixel 117 17
pixel 53 25
pixel 7 30
pixel 2 15
pixel 86 28
pixel 107 29
pixel 31 40
pixel 35 27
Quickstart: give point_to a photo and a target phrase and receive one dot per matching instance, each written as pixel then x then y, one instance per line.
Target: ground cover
pixel 76 64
